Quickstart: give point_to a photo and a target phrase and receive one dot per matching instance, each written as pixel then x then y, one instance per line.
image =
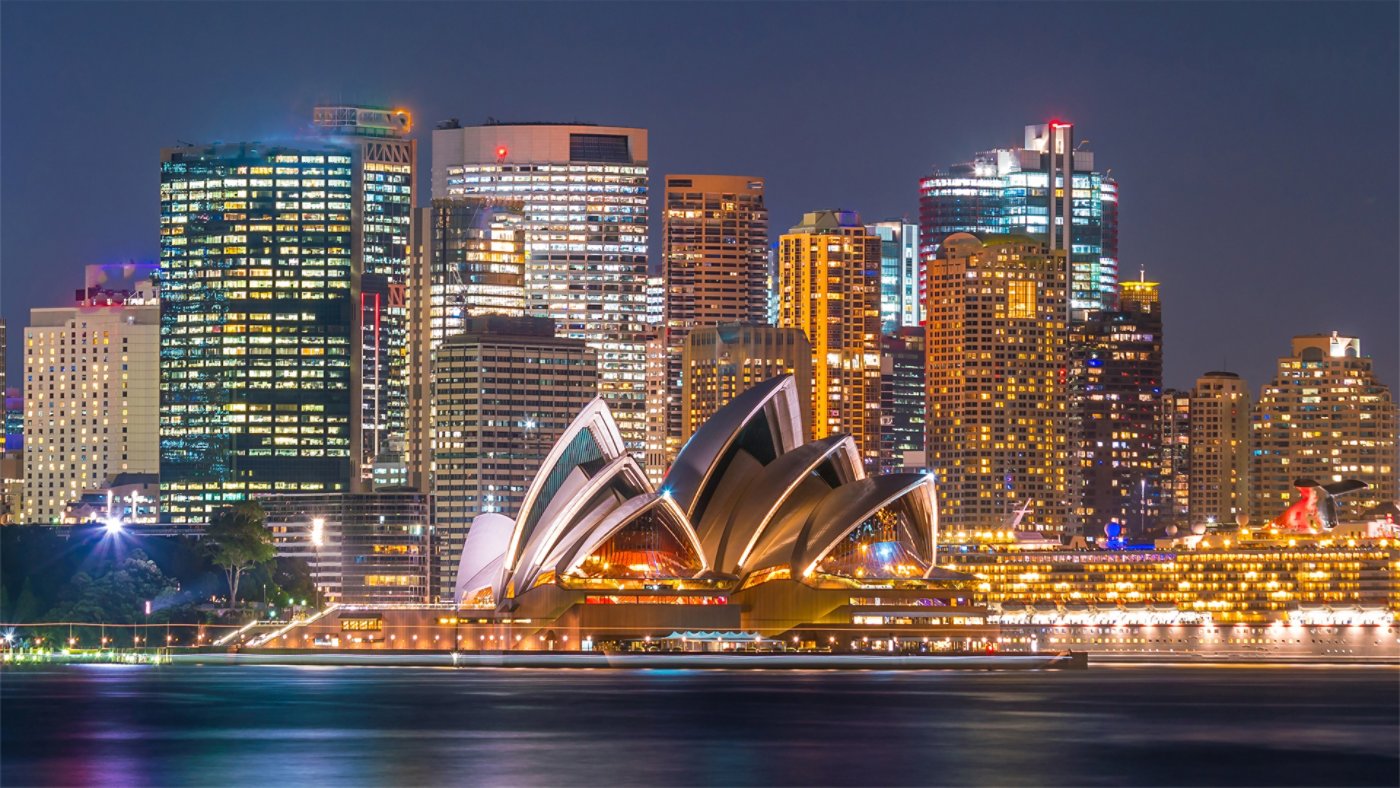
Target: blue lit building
pixel 1009 190
pixel 899 273
pixel 284 273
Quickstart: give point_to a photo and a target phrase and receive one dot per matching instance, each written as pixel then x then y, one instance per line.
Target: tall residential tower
pixel 998 424
pixel 829 287
pixel 1325 417
pixel 714 270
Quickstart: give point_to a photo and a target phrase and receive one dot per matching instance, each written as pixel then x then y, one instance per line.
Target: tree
pixel 237 541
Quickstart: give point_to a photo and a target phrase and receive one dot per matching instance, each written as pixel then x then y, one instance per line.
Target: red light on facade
pixel 501 151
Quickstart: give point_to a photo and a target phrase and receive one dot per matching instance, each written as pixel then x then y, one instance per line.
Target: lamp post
pixel 318 537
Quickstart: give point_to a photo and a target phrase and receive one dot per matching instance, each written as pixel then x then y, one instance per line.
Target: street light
pixel 318 538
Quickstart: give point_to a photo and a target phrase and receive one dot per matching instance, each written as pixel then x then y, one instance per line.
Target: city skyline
pixel 1243 286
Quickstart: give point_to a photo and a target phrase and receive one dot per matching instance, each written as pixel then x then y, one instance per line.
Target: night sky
pixel 1255 144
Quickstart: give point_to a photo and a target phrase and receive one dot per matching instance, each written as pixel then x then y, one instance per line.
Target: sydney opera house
pixel 755 532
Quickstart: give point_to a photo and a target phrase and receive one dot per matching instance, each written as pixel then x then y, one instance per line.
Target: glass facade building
pixel 584 194
pixel 899 274
pixel 1011 191
pixel 903 401
pixel 284 313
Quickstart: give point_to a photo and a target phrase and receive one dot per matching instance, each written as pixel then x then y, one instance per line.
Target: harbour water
pixel 1110 725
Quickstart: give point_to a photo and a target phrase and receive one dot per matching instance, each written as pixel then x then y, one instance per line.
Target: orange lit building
pixel 829 287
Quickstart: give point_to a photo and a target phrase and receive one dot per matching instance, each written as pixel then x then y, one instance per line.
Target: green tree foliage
pixel 114 592
pixel 237 541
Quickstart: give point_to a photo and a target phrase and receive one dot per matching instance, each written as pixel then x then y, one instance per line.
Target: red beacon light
pixel 501 151
pixel 1059 124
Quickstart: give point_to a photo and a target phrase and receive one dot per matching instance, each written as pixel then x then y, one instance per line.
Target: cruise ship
pixel 1235 594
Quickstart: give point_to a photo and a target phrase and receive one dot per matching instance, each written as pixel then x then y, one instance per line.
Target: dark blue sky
pixel 1255 144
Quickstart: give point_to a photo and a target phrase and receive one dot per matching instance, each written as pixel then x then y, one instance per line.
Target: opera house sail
pixel 748 506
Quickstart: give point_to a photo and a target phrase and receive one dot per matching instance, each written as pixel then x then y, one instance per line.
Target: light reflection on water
pixel 186 725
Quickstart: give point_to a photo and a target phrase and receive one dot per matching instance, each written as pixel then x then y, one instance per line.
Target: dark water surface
pixel 275 726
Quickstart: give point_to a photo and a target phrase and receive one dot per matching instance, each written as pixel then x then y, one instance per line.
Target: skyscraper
pixel 1022 190
pixel 899 274
pixel 284 312
pixel 91 394
pixel 469 262
pixel 714 271
pixel 584 194
pixel 718 363
pixel 998 425
pixel 1115 392
pixel 1219 424
pixel 503 391
pixel 903 401
pixel 829 287
pixel 1325 417
pixel 1175 462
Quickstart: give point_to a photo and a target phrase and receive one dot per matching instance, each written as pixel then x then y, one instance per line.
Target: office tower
pixel 1021 190
pixel 1219 439
pixel 584 191
pixel 998 424
pixel 718 363
pixel 1174 428
pixel 1115 386
pixel 361 548
pixel 469 261
pixel 714 259
pixel 91 393
pixel 285 371
pixel 14 419
pixel 899 274
pixel 903 401
pixel 829 287
pixel 503 391
pixel 1325 417
pixel 656 301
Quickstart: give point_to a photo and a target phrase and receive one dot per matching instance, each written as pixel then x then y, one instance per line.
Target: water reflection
pixel 403 726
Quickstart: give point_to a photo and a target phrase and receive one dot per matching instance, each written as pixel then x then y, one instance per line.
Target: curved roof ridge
pixel 772 488
pixel 847 506
pixel 598 420
pixel 535 554
pixel 695 463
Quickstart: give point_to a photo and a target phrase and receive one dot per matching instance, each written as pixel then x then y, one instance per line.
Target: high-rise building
pixel 91 393
pixel 903 401
pixel 284 315
pixel 1219 439
pixel 714 271
pixel 899 274
pixel 1174 428
pixel 361 548
pixel 718 363
pixel 998 424
pixel 469 261
pixel 1115 391
pixel 1022 190
pixel 1325 417
pixel 584 194
pixel 829 287
pixel 504 390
